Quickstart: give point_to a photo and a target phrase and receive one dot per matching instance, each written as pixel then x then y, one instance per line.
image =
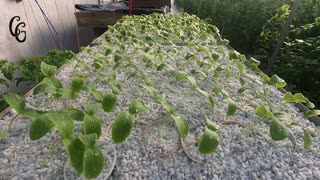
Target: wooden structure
pixel 98 19
pixel 150 3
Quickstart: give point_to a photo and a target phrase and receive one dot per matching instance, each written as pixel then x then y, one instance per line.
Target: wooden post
pixel 284 33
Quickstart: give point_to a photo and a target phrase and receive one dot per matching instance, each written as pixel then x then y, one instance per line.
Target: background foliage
pixel 28 70
pixel 253 27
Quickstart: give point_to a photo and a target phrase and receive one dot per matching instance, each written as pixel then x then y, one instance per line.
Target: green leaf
pixel 311 113
pixel 298 97
pixel 233 54
pixel 89 140
pixel 182 125
pixel 77 84
pixel 215 56
pixel 168 106
pixel 263 112
pixel 264 76
pixel 91 109
pixel 310 105
pixel 15 101
pixel 73 113
pixel 32 113
pixel 122 126
pixel 107 51
pixel 232 107
pixel 282 116
pixel 116 88
pixel 91 124
pixel 150 89
pixel 39 88
pixel 211 125
pixel 47 70
pixel 307 140
pixel 63 123
pixel 2 135
pixel 288 97
pixel 40 127
pixel 209 142
pixel 93 162
pixel 109 102
pixel 97 95
pixel 278 130
pixel 76 151
pixel 208 97
pixel 277 81
pixel 241 67
pixel 217 89
pixel 181 75
pixel 137 107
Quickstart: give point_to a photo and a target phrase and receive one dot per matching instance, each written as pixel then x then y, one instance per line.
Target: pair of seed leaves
pixel 53 86
pixel 278 130
pixel 84 155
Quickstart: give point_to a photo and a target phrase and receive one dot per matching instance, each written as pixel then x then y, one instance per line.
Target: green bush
pixel 299 60
pixel 240 21
pixel 29 69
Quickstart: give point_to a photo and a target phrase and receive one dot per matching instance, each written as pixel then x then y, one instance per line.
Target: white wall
pixel 39 39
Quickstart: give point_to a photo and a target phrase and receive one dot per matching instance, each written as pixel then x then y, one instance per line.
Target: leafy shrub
pixel 240 21
pixel 271 32
pixel 29 69
pixel 299 61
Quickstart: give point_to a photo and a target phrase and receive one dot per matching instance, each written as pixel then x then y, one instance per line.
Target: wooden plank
pixel 150 3
pixel 98 19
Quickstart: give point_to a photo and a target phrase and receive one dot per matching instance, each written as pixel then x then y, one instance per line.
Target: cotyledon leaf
pixel 76 151
pixel 47 70
pixel 278 130
pixel 232 107
pixel 91 124
pixel 93 162
pixel 307 139
pixel 182 125
pixel 137 107
pixel 122 126
pixel 91 109
pixel 109 102
pixel 15 101
pixel 208 97
pixel 211 125
pixel 209 142
pixel 63 123
pixel 181 75
pixel 40 127
pixel 311 113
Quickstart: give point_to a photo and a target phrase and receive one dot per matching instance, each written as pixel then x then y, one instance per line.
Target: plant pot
pixel 110 156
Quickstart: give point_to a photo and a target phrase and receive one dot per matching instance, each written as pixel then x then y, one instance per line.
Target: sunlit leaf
pixel 278 130
pixel 182 125
pixel 47 70
pixel 15 101
pixel 209 142
pixel 311 113
pixel 211 125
